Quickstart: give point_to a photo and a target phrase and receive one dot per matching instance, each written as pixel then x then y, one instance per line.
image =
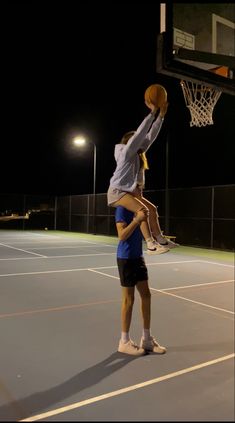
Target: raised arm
pixel 136 140
pixel 155 129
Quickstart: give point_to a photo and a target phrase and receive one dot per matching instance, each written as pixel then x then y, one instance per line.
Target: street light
pixel 79 142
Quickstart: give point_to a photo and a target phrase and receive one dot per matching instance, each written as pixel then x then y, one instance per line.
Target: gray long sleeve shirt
pixel 126 175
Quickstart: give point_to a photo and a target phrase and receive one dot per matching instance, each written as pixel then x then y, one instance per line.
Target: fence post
pixel 55 213
pixel 24 202
pixel 70 213
pixel 212 216
pixel 167 187
pixel 88 214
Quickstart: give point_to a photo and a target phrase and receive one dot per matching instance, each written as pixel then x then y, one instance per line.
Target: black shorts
pixel 132 271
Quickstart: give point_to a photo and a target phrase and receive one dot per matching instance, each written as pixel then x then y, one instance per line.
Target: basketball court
pixel 60 328
pixel 61 297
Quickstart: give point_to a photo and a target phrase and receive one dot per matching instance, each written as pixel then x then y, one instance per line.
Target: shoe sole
pixel 157 251
pixel 155 352
pixel 134 355
pixel 169 245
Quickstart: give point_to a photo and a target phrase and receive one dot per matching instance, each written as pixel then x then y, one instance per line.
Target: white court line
pixel 43 241
pixel 30 237
pixel 193 301
pixel 194 261
pixel 126 390
pixel 49 271
pixel 163 291
pixel 218 264
pixel 43 235
pixel 20 249
pixel 71 246
pixel 56 257
pixel 198 284
pixel 21 258
pixel 86 268
pixel 103 274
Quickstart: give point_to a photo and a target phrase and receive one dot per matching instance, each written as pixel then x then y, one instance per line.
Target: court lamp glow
pixel 80 141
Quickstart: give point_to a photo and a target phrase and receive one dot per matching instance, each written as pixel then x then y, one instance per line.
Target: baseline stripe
pixel 20 249
pixel 193 301
pixel 85 268
pixel 61 308
pixel 196 285
pixel 125 390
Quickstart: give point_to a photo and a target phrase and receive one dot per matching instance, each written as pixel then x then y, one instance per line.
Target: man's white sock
pixel 146 334
pixel 125 337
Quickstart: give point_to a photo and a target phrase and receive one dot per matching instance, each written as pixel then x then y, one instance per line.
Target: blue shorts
pixel 132 271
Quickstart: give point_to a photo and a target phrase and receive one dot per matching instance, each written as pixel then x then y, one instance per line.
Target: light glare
pixel 79 141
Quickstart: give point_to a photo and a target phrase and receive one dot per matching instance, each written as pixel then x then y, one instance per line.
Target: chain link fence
pixel 200 216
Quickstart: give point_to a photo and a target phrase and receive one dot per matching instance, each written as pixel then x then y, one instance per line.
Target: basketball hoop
pixel 201 99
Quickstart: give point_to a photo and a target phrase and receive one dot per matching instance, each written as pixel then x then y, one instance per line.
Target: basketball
pixel 155 94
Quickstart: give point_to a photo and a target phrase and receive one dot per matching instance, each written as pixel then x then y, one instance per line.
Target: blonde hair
pixel 126 137
pixel 144 160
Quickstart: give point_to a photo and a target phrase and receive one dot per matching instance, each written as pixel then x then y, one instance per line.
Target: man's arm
pixel 124 230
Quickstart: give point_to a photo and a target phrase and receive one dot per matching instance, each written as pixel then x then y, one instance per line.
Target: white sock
pixel 125 337
pixel 146 334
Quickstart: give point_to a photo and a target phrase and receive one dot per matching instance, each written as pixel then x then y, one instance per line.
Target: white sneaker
pixel 166 242
pixel 152 345
pixel 130 348
pixel 153 247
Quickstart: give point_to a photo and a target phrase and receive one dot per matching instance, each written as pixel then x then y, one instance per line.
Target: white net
pixel 200 101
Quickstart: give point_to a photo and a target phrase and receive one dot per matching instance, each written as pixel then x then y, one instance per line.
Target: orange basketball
pixel 155 94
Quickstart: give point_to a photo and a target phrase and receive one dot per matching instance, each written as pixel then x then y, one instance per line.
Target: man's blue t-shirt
pixel 132 247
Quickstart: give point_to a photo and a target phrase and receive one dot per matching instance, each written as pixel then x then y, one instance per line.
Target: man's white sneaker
pixel 130 348
pixel 153 247
pixel 152 345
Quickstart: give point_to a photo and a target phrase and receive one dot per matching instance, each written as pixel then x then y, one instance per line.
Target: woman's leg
pixel 153 214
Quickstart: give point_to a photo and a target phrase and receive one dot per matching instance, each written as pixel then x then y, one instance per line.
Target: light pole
pixel 94 187
pixel 79 142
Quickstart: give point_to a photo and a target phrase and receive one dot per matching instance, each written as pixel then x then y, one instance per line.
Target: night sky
pixel 82 67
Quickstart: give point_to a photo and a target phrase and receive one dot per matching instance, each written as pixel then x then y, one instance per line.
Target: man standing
pixel 133 274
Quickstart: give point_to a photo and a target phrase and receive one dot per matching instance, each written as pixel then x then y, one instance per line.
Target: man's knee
pixel 128 300
pixel 146 295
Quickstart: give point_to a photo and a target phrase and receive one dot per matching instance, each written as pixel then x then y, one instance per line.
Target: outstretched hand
pixel 152 107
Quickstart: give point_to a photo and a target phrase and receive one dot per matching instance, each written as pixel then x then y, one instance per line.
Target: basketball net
pixel 201 99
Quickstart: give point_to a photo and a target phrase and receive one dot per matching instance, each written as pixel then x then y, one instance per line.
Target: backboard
pixel 195 39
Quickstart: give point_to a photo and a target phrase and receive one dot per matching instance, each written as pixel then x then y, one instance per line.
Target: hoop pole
pixel 167 185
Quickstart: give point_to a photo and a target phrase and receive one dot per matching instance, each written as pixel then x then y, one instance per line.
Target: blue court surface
pixel 60 327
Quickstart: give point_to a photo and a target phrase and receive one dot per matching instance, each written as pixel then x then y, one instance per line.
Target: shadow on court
pixel 213 346
pixel 41 401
